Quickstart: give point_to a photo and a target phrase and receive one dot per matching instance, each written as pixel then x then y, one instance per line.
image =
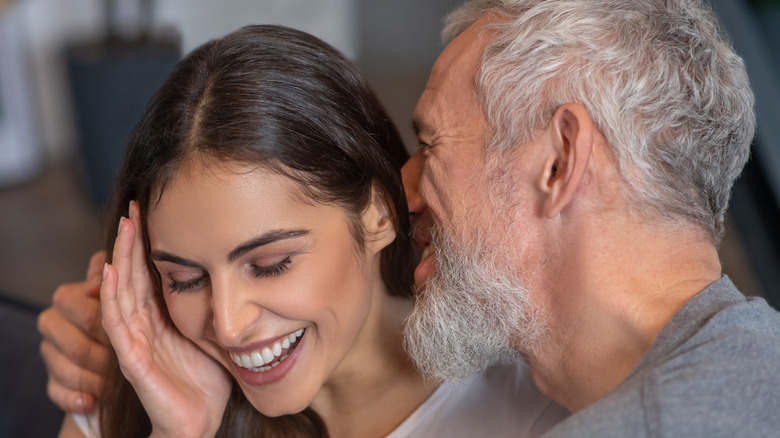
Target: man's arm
pixel 74 346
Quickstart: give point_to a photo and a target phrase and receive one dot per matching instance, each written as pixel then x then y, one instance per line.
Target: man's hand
pixel 74 345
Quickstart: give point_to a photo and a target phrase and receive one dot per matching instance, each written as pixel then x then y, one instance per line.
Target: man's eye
pixel 423 146
pixel 272 270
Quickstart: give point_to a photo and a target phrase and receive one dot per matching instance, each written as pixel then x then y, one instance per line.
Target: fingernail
pixel 105 271
pixel 119 229
pixel 130 211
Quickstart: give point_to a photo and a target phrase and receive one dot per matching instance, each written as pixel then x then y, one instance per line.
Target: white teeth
pixel 267 358
pixel 257 360
pixel 427 251
pixel 267 355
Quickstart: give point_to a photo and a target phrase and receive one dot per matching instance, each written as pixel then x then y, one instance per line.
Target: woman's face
pixel 269 285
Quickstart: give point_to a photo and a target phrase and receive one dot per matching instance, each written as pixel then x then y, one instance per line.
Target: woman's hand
pixel 183 390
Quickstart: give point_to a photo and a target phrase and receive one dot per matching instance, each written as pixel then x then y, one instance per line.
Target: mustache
pixel 421 228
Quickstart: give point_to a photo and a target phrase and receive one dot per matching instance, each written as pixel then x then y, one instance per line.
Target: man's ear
pixel 378 221
pixel 571 137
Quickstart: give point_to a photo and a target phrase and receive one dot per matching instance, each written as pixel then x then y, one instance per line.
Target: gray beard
pixel 473 311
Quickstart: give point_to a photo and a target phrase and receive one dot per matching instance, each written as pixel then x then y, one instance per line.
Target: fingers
pixel 70 342
pixel 70 401
pixel 123 290
pixel 95 270
pixel 72 388
pixel 115 305
pixel 130 312
pixel 74 344
pixel 123 263
pixel 140 271
pixel 74 304
pixel 113 320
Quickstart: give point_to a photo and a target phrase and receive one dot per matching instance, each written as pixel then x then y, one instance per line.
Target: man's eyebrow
pixel 264 239
pixel 417 125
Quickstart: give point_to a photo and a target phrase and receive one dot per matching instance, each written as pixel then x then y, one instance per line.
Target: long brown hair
pixel 285 100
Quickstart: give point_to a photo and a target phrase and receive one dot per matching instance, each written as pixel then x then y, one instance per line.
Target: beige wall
pixel 50 24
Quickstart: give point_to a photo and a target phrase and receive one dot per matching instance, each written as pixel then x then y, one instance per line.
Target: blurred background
pixel 75 75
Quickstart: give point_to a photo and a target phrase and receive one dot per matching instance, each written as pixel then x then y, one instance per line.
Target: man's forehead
pixel 453 74
pixel 465 52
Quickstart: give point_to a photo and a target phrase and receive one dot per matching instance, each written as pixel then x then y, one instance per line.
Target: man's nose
pixel 411 173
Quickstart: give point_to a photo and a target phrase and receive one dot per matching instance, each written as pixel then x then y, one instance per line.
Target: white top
pixel 88 425
pixel 501 402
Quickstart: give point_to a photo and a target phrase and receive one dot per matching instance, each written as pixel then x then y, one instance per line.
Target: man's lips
pixel 421 230
pixel 421 234
pixel 425 268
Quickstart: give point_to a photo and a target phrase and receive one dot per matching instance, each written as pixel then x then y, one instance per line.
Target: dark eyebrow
pixel 162 256
pixel 264 239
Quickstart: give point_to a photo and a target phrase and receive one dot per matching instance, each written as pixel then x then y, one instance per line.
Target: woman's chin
pixel 277 408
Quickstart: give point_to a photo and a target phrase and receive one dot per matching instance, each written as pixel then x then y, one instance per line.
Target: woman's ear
pixel 571 136
pixel 378 221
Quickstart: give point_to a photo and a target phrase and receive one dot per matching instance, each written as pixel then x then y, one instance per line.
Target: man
pixel 570 187
pixel 575 164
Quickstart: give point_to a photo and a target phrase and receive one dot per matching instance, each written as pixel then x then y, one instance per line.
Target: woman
pixel 266 209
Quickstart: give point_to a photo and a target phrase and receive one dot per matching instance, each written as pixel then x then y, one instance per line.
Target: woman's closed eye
pixel 267 271
pixel 176 286
pixel 179 282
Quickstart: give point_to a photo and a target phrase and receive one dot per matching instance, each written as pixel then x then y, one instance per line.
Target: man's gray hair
pixel 658 78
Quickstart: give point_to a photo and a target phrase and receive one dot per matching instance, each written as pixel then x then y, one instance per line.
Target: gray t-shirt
pixel 713 371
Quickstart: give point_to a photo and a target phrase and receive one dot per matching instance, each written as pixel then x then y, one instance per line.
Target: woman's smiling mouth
pixel 269 357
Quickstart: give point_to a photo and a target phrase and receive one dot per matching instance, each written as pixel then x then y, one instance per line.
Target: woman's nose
pixel 234 313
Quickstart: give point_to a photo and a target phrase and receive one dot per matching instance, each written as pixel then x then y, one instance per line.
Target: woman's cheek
pixel 189 312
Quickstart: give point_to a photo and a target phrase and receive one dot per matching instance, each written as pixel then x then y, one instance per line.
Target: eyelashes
pixel 186 286
pixel 423 146
pixel 268 271
pixel 272 270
